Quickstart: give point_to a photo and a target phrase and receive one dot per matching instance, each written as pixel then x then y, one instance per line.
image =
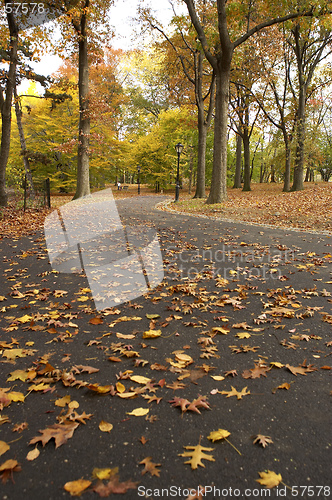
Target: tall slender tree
pixel 219 52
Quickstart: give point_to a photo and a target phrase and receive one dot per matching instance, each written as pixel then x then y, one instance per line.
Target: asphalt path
pixel 247 304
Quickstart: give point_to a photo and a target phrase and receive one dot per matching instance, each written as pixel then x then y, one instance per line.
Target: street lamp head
pixel 179 148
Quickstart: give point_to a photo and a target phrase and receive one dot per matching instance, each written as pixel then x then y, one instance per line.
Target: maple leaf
pixel 234 392
pixel 218 435
pixel 60 432
pixel 197 455
pixel 269 479
pixel 261 439
pixel 150 467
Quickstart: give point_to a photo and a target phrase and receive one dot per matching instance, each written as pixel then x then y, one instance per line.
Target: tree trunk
pixel 246 154
pixel 218 190
pixel 26 163
pixel 288 158
pixel 6 108
pixel 202 134
pixel 83 181
pixel 300 137
pixel 238 163
pixel 191 168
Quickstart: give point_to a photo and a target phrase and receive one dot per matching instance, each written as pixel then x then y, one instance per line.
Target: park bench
pixel 125 187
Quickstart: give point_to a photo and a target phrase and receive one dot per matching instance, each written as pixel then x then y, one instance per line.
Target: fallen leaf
pixel 139 412
pixel 197 455
pixel 269 479
pixel 75 488
pixel 151 334
pixel 105 426
pixel 234 392
pixel 218 435
pixel 150 467
pixel 33 454
pixel 263 440
pixel 3 447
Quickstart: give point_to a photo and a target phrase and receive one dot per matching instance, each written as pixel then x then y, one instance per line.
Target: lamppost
pixel 179 148
pixel 138 180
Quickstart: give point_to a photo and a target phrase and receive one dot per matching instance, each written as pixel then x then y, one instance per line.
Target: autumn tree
pixel 6 96
pixel 232 32
pixel 186 56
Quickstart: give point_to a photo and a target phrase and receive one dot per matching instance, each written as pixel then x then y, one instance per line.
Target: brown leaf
pixel 114 486
pixel 60 432
pixel 263 440
pixel 150 467
pixel 7 469
pixel 96 321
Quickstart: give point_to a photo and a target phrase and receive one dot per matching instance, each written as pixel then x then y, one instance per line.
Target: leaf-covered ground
pixel 310 209
pixel 218 378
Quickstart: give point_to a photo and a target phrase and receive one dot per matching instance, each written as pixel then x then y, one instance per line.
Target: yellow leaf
pixel 218 329
pixel 103 474
pixel 183 358
pixel 33 454
pixel 82 299
pixel 218 435
pixel 151 334
pixel 140 380
pixel 3 447
pixel 25 319
pixel 127 395
pixel 8 465
pixel 62 402
pixel 217 377
pixel 75 488
pixel 2 298
pixel 73 404
pixel 197 455
pixel 269 479
pixel 243 335
pixel 120 387
pixel 139 412
pixel 277 364
pixel 16 396
pixel 105 426
pixel 39 387
pixel 18 375
pixel 13 353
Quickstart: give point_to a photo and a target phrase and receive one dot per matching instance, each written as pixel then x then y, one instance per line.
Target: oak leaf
pixel 197 455
pixel 60 432
pixel 234 392
pixel 150 467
